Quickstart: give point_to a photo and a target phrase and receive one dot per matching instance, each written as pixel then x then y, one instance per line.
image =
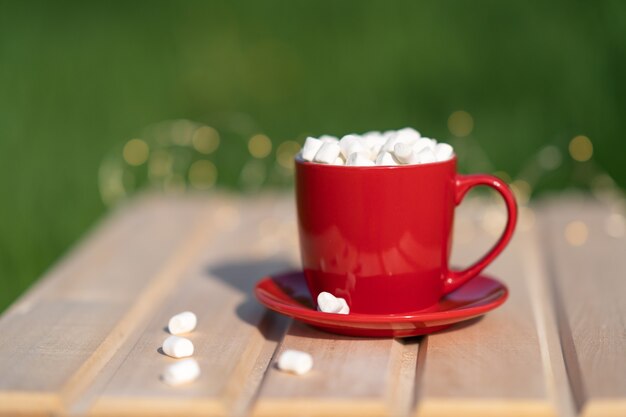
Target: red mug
pixel 380 237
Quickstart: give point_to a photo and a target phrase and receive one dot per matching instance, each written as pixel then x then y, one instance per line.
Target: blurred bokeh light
pixel 460 123
pixel 100 101
pixel 581 149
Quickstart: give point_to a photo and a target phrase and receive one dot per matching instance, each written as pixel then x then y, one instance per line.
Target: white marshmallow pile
pixel 402 147
pixel 295 361
pixel 328 303
pixel 179 347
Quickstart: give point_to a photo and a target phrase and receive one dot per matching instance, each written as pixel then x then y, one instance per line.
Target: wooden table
pixel 84 340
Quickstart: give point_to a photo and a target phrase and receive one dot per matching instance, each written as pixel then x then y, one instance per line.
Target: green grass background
pixel 78 79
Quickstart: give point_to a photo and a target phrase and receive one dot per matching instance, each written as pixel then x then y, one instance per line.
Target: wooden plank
pixel 351 377
pixel 542 296
pixel 65 330
pixel 85 338
pixel 587 266
pixel 236 337
pixel 496 365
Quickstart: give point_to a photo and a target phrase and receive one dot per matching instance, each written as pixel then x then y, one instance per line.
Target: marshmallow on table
pixel 310 148
pixel 328 303
pixel 328 153
pixel 182 323
pixel 177 347
pixel 295 361
pixel 181 372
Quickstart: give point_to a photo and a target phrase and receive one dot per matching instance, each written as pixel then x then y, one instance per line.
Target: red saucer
pixel 288 294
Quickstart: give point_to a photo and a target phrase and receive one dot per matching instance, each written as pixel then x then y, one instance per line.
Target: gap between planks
pixel 544 309
pixel 235 340
pixel 350 377
pixel 587 280
pixel 48 304
pixel 195 225
pixel 404 360
pixel 143 307
pixel 537 383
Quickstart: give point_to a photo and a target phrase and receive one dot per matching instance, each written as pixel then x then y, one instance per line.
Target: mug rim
pixel 299 161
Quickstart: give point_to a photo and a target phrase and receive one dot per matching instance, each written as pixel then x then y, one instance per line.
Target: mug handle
pixel 463 184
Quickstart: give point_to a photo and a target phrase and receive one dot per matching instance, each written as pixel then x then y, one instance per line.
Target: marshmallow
pixel 177 347
pixel 310 148
pixel 372 134
pixel 375 149
pixel 339 161
pixel 295 361
pixel 344 307
pixel 328 303
pixel 359 159
pixel 181 372
pixel 182 323
pixel 426 156
pixel 328 139
pixel 408 134
pixel 374 137
pixel 422 144
pixel 443 151
pixel 345 143
pixel 391 143
pixel 388 133
pixel 402 147
pixel 358 146
pixel 404 153
pixel 386 158
pixel 328 153
pixel 374 144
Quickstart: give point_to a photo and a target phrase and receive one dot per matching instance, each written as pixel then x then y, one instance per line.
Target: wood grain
pixel 84 340
pixel 235 339
pixel 544 308
pixel 589 285
pixel 491 366
pixel 351 377
pixel 65 330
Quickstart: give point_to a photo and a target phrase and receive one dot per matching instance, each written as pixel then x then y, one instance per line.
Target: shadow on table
pixel 243 275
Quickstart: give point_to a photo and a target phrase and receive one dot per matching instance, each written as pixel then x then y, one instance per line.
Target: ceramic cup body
pixel 381 236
